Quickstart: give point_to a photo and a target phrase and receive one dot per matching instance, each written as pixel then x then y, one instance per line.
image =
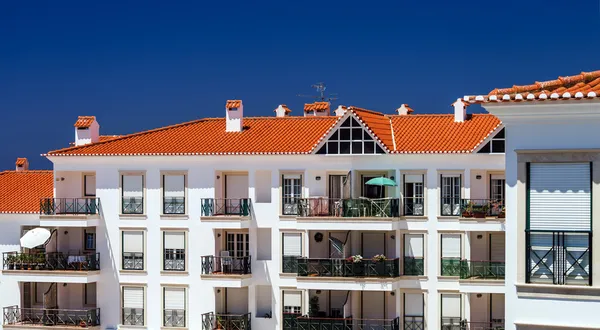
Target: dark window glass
pixel 356 133
pixel 332 148
pixel 485 149
pixel 357 147
pixel 355 123
pixel 497 146
pixel 369 147
pixel 344 147
pixel 334 136
pixel 500 135
pixel 366 136
pixel 344 134
pixel 346 123
pixel 379 150
pixel 322 151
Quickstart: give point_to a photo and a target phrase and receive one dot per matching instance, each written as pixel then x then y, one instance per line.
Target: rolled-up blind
pixel 175 298
pixel 413 178
pixel 174 240
pixel 451 246
pixel 133 185
pixel 413 304
pixel 133 241
pixel 451 305
pixel 292 244
pixel 174 185
pixel 90 293
pixel 133 297
pixel 292 298
pixel 497 246
pixel 413 245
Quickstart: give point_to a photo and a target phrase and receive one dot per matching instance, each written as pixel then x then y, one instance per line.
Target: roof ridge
pixel 25 172
pixel 366 110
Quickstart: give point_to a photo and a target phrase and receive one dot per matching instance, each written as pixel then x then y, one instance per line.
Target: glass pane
pixel 334 136
pixel 500 135
pixel 485 149
pixel 378 149
pixel 344 134
pixel 497 146
pixel 357 147
pixel 346 123
pixel 369 147
pixel 323 150
pixel 355 123
pixel 366 135
pixel 332 148
pixel 344 147
pixel 357 133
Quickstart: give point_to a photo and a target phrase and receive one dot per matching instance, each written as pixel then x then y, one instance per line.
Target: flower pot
pixel 466 214
pixel 479 214
pixel 82 324
pixel 501 215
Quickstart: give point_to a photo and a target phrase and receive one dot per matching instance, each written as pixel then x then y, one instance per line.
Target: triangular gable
pixel 495 143
pixel 350 136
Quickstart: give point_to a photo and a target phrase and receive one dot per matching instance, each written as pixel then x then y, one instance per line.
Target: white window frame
pixel 164 192
pixel 122 196
pixel 144 234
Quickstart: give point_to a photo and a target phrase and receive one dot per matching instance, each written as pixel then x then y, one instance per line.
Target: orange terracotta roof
pixel 378 124
pixel 581 86
pixel 317 106
pixel 108 137
pixel 233 104
pixel 285 108
pixel 84 121
pixel 21 191
pixel 440 133
pixel 21 161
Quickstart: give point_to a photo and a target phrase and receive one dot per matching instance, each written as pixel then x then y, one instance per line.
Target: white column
pixel 467 245
pixel 275 178
pixel 467 306
pixel 305 185
pixel 252 185
pixel 252 301
pixel 467 183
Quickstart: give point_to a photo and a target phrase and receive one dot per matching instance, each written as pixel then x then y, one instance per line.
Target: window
pixel 413 254
pixel 89 294
pixel 292 250
pixel 132 194
pixel 414 197
pixel 450 194
pixel 414 311
pixel 497 145
pixel 174 251
pixel 133 305
pixel 371 191
pixel 174 194
pixel 350 138
pixel 292 303
pixel 89 183
pixel 90 240
pixel 238 244
pixel 497 187
pixel 451 311
pixel 133 250
pixel 451 254
pixel 174 304
pixel 292 192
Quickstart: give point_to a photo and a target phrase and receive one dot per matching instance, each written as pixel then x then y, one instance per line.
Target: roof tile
pixel 84 121
pixel 233 104
pixel 21 191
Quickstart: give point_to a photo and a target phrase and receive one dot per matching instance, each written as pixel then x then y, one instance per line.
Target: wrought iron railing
pixel 481 208
pixel 289 264
pixel 174 205
pixel 290 321
pixel 494 325
pixel 348 268
pixel 414 266
pixel 559 257
pixel 214 265
pixel 452 323
pixel 493 270
pixel 414 322
pixel 132 205
pixel 450 206
pixel 133 316
pixel 69 206
pixel 133 260
pixel 312 323
pixel 349 208
pixel 14 315
pixel 226 207
pixel 212 321
pixel 414 206
pixel 174 318
pixel 320 207
pixel 174 259
pixel 50 261
pixel 451 267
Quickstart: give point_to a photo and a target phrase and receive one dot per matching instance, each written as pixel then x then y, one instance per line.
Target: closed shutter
pixel 133 241
pixel 413 245
pixel 175 298
pixel 413 304
pixel 451 246
pixel 133 297
pixel 292 244
pixel 90 185
pixel 413 178
pixel 497 247
pixel 451 306
pixel 559 196
pixel 174 240
pixel 90 294
pixel 292 298
pixel 497 307
pixel 174 185
pixel 133 185
pixel 236 186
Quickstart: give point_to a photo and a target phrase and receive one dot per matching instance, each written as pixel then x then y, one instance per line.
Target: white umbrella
pixel 35 237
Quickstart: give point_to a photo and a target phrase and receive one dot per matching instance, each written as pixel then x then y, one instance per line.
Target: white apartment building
pixel 269 223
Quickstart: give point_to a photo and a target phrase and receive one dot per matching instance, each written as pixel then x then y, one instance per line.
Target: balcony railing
pixel 50 261
pixel 133 205
pixel 14 315
pixel 133 261
pixel 133 316
pixel 174 318
pixel 413 266
pixel 349 208
pixel 347 268
pixel 452 323
pixel 414 206
pixel 311 323
pixel 213 265
pixel 174 259
pixel 289 264
pixel 481 208
pixel 494 325
pixel 414 322
pixel 212 207
pixel 493 270
pixel 450 267
pixel 174 205
pixel 69 206
pixel 212 321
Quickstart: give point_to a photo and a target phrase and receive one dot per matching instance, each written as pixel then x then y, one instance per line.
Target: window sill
pixel 132 216
pixel 173 328
pixel 414 218
pixel 133 272
pixel 287 217
pixel 550 291
pixel 174 217
pixel 174 272
pixel 448 217
pixel 132 326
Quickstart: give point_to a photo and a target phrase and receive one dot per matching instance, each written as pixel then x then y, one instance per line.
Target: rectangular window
pixel 451 311
pixel 132 188
pixel 89 294
pixel 497 187
pixel 133 250
pixel 414 263
pixel 175 307
pixel 292 250
pixel 414 196
pixel 90 240
pixel 174 250
pixel 450 199
pixel 89 185
pixel 292 303
pixel 238 244
pixel 174 194
pixel 292 192
pixel 133 306
pixel 451 254
pixel 414 311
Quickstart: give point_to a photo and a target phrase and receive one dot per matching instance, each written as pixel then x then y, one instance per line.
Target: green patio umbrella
pixel 381 181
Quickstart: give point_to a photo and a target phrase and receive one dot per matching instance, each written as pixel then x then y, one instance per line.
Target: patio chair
pixel 225 262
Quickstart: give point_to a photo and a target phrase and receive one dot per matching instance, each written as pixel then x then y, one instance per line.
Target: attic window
pixel 497 145
pixel 350 139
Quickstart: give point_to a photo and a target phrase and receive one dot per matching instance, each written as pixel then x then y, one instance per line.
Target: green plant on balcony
pixel 11 260
pixel 355 258
pixel 313 309
pixel 468 210
pixel 379 258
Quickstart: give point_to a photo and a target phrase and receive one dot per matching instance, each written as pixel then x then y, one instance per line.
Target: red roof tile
pixel 317 106
pixel 84 121
pixel 21 161
pixel 21 191
pixel 233 104
pixel 378 124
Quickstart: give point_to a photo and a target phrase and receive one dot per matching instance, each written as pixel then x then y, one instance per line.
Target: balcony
pixel 310 323
pixel 69 206
pixel 414 206
pixel 482 208
pixel 133 261
pixel 313 267
pixel 348 208
pixel 133 316
pixel 413 266
pixel 225 207
pixel 212 321
pixel 467 269
pixel 37 317
pixel 213 265
pixel 132 205
pixel 50 261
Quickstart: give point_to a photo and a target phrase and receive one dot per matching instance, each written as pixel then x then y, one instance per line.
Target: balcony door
pixel 238 244
pixel 89 185
pixel 497 247
pixel 372 244
pixel 373 305
pixel 370 191
pixel 236 189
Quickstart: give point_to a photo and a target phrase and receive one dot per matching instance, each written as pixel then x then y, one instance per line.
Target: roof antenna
pixel 320 87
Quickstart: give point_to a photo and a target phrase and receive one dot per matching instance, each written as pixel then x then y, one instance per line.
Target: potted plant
pixel 40 261
pixel 357 265
pixel 219 324
pixel 11 260
pixel 502 213
pixel 379 260
pixel 480 211
pixel 82 324
pixel 468 210
pixel 313 309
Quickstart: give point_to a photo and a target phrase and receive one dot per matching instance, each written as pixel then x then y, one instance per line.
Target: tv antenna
pixel 320 87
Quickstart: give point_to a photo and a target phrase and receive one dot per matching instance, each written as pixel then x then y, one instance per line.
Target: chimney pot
pixel 460 111
pixel 340 111
pixel 234 110
pixel 316 109
pixel 282 111
pixel 87 130
pixel 404 109
pixel 22 164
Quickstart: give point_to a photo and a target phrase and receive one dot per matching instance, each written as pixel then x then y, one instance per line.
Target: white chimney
pixel 21 165
pixel 234 116
pixel 87 130
pixel 404 109
pixel 340 111
pixel 316 109
pixel 460 111
pixel 282 111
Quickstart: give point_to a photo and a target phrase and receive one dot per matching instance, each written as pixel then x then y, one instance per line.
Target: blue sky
pixel 141 65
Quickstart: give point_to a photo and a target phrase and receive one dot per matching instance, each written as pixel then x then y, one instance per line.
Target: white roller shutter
pixel 292 298
pixel 559 196
pixel 175 298
pixel 133 185
pixel 133 297
pixel 451 306
pixel 413 245
pixel 497 247
pixel 292 244
pixel 236 186
pixel 497 176
pixel 174 185
pixel 413 178
pixel 451 246
pixel 90 185
pixel 133 241
pixel 174 240
pixel 413 304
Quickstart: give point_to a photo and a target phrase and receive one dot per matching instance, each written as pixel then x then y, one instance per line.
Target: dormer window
pixel 351 139
pixel 497 145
